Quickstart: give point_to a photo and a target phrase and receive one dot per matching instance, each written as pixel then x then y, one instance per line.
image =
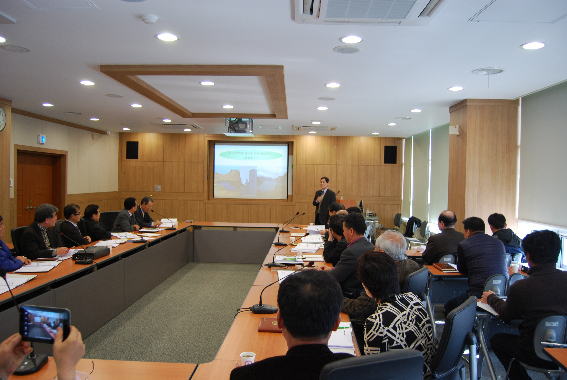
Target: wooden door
pixel 36 173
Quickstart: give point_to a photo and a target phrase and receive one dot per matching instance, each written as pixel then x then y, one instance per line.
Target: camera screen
pixel 39 324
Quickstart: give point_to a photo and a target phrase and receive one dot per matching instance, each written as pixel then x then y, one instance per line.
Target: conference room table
pixel 558 355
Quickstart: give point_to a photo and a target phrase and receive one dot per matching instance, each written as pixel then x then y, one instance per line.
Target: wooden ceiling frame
pixel 272 77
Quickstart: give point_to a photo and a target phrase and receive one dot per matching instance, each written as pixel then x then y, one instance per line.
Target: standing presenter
pixel 323 198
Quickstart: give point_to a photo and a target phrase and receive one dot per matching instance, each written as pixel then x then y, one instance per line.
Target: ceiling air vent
pixel 177 126
pixel 369 12
pixel 316 128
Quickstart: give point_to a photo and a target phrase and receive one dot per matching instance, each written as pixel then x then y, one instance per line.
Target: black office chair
pixel 107 219
pixel 17 239
pixel 448 259
pixel 57 233
pixel 548 330
pixel 392 365
pixel 513 278
pixel 418 283
pixel 457 334
pixel 497 283
pixel 397 223
pixel 81 225
pixel 423 231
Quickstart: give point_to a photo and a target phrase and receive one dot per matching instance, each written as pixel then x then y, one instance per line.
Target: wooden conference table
pixel 558 355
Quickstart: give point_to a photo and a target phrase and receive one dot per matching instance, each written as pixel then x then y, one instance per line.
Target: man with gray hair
pixel 38 239
pixel 394 245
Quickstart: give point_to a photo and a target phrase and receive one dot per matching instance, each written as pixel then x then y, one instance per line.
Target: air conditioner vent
pixel 308 128
pixel 177 126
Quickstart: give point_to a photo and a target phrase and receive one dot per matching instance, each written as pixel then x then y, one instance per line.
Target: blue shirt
pixel 7 260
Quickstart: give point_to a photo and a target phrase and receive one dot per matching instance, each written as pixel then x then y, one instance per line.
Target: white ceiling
pixel 399 67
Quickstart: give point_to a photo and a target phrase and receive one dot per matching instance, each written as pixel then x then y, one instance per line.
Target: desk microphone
pixel 260 308
pixel 79 259
pixel 279 265
pixel 3 275
pixel 168 228
pixel 278 243
pixel 296 216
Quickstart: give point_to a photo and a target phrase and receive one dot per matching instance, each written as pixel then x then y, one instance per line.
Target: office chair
pixel 448 259
pixel 392 365
pixel 457 334
pixel 397 223
pixel 548 330
pixel 418 284
pixel 16 234
pixel 107 219
pixel 497 283
pixel 513 278
pixel 57 232
pixel 423 231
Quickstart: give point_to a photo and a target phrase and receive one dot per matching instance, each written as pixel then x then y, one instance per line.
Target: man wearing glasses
pixel 38 240
pixel 71 234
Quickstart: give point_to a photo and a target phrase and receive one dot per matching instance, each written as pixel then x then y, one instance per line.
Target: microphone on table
pixel 338 192
pixel 80 258
pixel 278 243
pixel 168 228
pixel 260 308
pixel 3 275
pixel 279 265
pixel 296 216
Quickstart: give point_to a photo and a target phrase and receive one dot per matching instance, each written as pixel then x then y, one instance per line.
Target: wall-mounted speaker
pixel 132 150
pixel 391 154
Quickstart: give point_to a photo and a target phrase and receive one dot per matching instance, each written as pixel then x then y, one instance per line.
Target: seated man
pixel 345 270
pixel 333 209
pixel 400 321
pixel 37 239
pixel 92 225
pixel 70 231
pixel 126 221
pixel 394 245
pixel 479 256
pixel 7 261
pixel 142 213
pixel 66 354
pixel 540 295
pixel 336 243
pixel 444 243
pixel 512 242
pixel 309 309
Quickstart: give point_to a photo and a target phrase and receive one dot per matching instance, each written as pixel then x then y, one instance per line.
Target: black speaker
pixel 390 154
pixel 131 150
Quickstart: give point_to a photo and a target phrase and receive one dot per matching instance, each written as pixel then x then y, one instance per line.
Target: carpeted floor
pixel 183 320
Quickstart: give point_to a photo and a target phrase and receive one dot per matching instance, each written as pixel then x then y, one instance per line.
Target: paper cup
pixel 247 358
pixel 515 267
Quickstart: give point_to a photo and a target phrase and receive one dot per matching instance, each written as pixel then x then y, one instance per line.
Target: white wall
pixel 92 159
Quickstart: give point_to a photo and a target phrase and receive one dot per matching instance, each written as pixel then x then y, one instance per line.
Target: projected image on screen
pixel 250 171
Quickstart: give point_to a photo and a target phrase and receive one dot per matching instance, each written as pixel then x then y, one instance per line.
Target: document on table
pixel 341 340
pixel 307 248
pixel 291 260
pixel 315 229
pixel 110 243
pixel 487 307
pixel 313 239
pixel 149 229
pixel 283 274
pixel 315 258
pixel 297 234
pixel 38 267
pixel 171 222
pixel 15 280
pixel 150 235
pixel 124 235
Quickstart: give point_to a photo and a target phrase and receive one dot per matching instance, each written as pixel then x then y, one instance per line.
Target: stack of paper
pixel 313 239
pixel 290 260
pixel 149 230
pixel 283 274
pixel 306 248
pixel 38 266
pixel 315 258
pixel 167 223
pixel 15 280
pixel 124 235
pixel 110 243
pixel 341 340
pixel 313 230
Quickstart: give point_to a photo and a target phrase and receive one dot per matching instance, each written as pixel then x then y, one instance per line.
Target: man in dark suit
pixel 479 256
pixel 444 243
pixel 323 198
pixel 345 270
pixel 71 234
pixel 142 213
pixel 126 221
pixel 38 239
pixel 92 225
pixel 309 309
pixel 336 243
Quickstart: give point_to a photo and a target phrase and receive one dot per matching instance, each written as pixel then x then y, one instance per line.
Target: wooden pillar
pixel 6 105
pixel 483 159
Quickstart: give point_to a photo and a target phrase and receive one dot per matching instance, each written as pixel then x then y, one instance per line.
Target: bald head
pixel 447 219
pixel 342 212
pixel 393 243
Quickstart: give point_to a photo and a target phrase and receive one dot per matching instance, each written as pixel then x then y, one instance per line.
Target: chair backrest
pixel 81 225
pixel 513 278
pixel 17 238
pixel 416 282
pixel 57 232
pixel 497 283
pixel 458 324
pixel 423 229
pixel 397 220
pixel 448 259
pixel 391 365
pixel 551 330
pixel 508 260
pixel 107 219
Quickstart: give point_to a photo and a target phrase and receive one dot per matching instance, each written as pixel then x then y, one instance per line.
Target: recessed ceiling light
pixel 375 133
pixel 327 99
pixel 86 83
pixel 322 108
pixel 391 124
pixel 187 130
pixel 136 105
pixel 416 110
pixel 455 88
pixel 207 83
pixel 166 120
pixel 228 106
pixel 2 39
pixel 346 49
pixel 94 119
pixel 333 85
pixel 47 105
pixel 532 45
pixel 312 132
pixel 168 37
pixel 487 71
pixel 125 129
pixel 315 122
pixel 351 39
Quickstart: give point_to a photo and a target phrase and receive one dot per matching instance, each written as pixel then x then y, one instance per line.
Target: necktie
pixel 45 238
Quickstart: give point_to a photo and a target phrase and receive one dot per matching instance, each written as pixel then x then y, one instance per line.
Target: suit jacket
pixel 143 221
pixel 33 245
pixel 442 244
pixel 333 250
pixel 329 198
pixel 303 362
pixel 70 231
pixel 481 256
pixel 124 222
pixel 345 270
pixel 95 230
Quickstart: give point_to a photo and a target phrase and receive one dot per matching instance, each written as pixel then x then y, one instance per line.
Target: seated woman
pixel 7 261
pixel 400 320
pixel 92 225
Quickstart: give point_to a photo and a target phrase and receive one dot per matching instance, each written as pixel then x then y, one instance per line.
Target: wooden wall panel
pixel 238 213
pixel 390 181
pixel 195 148
pixel 347 181
pixel 315 150
pixel 5 207
pixel 132 177
pixel 195 210
pixel 194 177
pixel 110 201
pixel 457 164
pixel 347 151
pixel 259 213
pixel 151 147
pixel 173 177
pixel 216 212
pixel 173 147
